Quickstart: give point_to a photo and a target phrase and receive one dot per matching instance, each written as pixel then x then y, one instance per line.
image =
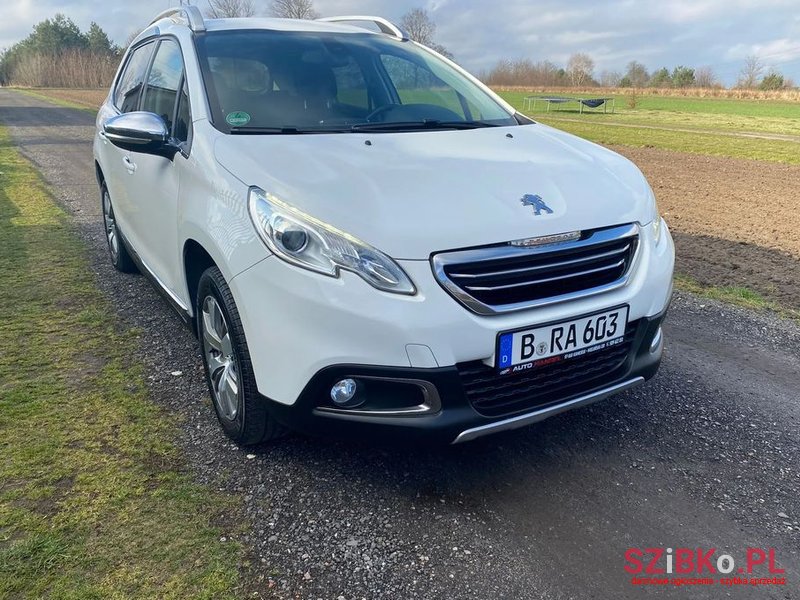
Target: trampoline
pixel 529 102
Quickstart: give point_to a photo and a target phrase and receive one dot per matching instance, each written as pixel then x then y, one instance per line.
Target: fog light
pixel 656 341
pixel 343 393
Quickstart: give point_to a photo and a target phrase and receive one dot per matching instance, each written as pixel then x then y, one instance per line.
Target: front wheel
pixel 229 371
pixel 120 257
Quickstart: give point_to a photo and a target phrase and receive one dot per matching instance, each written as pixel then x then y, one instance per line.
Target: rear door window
pixel 129 85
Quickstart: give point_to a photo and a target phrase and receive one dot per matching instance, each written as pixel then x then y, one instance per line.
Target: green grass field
pixel 715 126
pixel 95 500
pixel 681 104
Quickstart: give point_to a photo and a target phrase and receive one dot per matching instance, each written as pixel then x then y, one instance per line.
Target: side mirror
pixel 140 131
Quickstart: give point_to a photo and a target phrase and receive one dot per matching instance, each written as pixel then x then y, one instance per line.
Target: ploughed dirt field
pixel 735 222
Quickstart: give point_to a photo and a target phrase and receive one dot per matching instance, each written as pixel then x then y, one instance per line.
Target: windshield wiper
pixel 268 130
pixel 432 124
pixel 420 125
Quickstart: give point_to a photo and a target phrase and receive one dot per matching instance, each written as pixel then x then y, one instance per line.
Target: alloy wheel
pixel 220 358
pixel 112 234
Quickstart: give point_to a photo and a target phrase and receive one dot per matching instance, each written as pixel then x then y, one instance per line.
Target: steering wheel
pixel 380 110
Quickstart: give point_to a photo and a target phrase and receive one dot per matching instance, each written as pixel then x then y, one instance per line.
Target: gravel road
pixel 704 456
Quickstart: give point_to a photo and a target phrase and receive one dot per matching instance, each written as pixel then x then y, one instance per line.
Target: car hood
pixel 415 193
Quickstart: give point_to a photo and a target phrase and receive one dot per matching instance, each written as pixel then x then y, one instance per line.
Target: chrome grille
pixel 504 278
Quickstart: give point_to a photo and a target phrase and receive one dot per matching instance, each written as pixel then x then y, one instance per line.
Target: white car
pixel 368 242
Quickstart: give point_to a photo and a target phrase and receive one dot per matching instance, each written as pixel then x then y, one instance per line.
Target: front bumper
pixel 305 332
pixel 300 323
pixel 455 418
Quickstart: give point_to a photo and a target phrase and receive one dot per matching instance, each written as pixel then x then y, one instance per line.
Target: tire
pixel 229 371
pixel 118 252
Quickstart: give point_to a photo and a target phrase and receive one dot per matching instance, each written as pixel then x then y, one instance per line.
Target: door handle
pixel 129 164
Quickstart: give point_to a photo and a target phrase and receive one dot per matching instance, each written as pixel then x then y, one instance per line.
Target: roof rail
pixel 190 14
pixel 384 25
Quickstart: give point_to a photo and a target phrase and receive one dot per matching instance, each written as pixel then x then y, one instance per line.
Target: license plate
pixel 538 346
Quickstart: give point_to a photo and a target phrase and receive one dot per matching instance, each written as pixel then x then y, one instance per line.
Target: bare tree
pixel 526 72
pixel 223 9
pixel 294 9
pixel 750 75
pixel 610 79
pixel 636 75
pixel 421 28
pixel 705 77
pixel 580 69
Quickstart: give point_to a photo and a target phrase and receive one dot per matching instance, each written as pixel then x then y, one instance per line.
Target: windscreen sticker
pixel 237 118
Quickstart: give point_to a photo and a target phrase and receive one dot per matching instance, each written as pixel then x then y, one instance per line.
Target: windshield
pixel 262 81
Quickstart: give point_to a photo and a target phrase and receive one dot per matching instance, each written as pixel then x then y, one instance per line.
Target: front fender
pixel 213 212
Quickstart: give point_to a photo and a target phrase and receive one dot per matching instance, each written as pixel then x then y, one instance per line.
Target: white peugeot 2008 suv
pixel 367 241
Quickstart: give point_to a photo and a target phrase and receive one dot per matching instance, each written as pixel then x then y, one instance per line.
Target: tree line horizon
pixel 58 54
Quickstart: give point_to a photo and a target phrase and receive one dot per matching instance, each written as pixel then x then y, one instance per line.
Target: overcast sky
pixel 718 33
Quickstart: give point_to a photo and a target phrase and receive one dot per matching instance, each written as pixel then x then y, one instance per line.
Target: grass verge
pixel 739 296
pixel 94 499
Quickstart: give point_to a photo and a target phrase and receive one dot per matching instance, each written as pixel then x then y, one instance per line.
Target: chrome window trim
pixel 444 259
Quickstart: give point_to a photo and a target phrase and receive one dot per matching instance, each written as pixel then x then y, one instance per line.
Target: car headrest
pixel 315 80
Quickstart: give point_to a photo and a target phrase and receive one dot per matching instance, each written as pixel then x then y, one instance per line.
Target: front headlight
pixel 658 228
pixel 656 223
pixel 307 242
